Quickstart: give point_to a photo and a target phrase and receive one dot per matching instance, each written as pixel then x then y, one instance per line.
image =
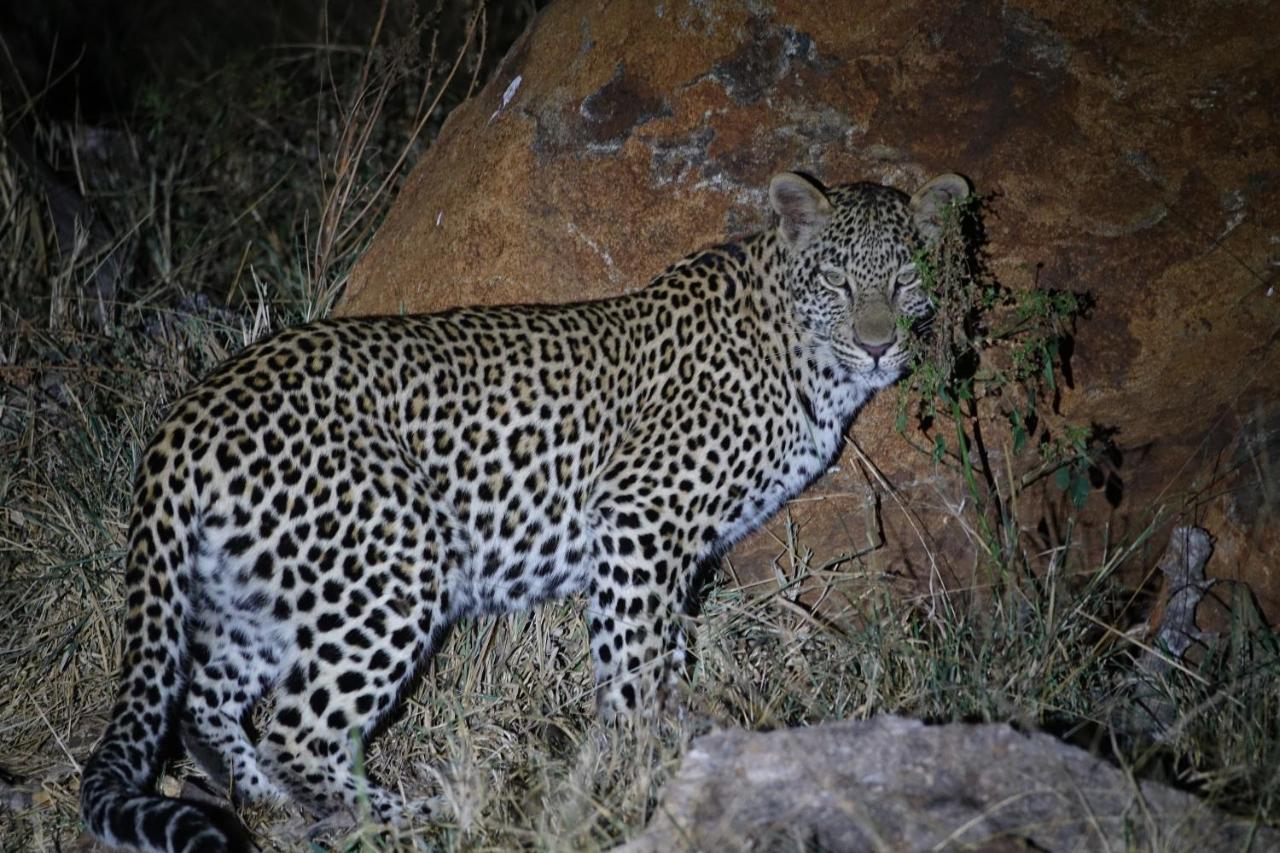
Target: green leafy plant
pixel 984 389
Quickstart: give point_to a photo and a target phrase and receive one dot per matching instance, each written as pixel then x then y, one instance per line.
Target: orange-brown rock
pixel 1129 151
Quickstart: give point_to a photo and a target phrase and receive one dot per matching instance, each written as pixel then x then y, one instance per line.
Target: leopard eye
pixel 906 276
pixel 832 278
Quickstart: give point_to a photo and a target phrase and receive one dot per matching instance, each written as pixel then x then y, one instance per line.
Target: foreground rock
pixel 895 784
pixel 1128 152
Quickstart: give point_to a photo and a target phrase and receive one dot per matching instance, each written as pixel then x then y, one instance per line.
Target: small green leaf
pixel 1062 478
pixel 939 448
pixel 1079 490
pixel 1019 430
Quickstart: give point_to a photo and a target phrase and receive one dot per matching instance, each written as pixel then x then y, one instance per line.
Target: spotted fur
pixel 312 517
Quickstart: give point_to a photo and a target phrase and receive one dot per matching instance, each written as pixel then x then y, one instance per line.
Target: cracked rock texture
pixel 896 784
pixel 1127 150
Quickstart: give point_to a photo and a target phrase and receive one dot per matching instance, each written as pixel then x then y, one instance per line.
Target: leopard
pixel 313 517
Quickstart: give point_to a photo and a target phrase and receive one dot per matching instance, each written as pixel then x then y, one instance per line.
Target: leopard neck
pixel 828 395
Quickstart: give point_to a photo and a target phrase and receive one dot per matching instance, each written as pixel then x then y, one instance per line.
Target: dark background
pixel 95 59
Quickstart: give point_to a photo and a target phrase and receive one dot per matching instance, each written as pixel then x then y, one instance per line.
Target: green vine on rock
pixel 989 357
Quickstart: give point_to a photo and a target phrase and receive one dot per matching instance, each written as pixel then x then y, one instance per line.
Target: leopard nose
pixel 876 350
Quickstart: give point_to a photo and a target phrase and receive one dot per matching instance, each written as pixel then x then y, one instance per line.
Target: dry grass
pixel 236 230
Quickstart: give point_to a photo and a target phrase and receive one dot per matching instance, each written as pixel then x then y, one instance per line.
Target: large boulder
pixel 1127 151
pixel 892 783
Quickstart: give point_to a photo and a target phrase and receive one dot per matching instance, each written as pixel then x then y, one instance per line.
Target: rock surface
pixel 895 784
pixel 1127 151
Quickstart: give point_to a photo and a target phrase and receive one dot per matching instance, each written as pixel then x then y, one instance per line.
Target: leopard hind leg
pixel 232 664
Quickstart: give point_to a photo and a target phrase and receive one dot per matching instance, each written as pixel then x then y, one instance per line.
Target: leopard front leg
pixel 635 620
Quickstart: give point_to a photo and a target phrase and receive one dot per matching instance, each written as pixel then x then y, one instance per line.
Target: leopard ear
pixel 932 199
pixel 802 207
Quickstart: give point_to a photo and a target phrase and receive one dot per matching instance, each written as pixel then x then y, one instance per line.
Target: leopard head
pixel 848 263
